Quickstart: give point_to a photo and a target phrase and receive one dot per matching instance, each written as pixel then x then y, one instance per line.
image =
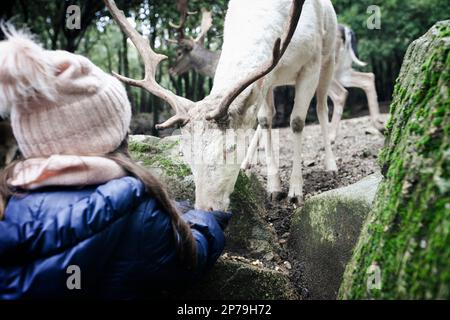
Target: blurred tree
pixel 49 20
pixel 101 40
pixel 402 21
pixel 6 11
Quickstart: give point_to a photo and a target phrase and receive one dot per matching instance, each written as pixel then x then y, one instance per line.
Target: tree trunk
pixel 186 84
pixel 126 70
pixel 120 55
pixel 201 87
pixel 144 96
pixel 6 12
pixel 109 57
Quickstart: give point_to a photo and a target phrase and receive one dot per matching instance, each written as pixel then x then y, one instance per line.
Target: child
pixel 77 203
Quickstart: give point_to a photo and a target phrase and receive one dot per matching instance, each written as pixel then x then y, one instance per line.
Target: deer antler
pixel 207 23
pixel 151 62
pixel 278 52
pixel 182 7
pixel 183 20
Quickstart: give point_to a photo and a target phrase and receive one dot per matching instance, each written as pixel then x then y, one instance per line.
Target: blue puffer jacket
pixel 120 242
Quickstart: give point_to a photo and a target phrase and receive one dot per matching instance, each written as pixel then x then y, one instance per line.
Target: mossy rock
pixel 163 157
pixel 404 248
pixel 325 231
pixel 236 280
pixel 248 234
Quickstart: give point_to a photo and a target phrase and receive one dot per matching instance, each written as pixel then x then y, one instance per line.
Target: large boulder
pixel 248 235
pixel 404 248
pixel 248 232
pixel 325 231
pixel 164 159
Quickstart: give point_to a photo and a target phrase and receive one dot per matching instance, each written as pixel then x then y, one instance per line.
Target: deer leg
pixel 366 81
pixel 265 118
pixel 305 87
pixel 251 156
pixel 326 77
pixel 338 94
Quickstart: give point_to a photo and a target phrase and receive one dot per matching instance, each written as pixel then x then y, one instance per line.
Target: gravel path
pixel 356 151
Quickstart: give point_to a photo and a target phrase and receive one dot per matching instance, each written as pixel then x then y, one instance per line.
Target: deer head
pixel 191 53
pixel 206 124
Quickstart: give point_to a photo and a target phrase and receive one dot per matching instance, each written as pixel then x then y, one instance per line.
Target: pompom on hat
pixel 59 103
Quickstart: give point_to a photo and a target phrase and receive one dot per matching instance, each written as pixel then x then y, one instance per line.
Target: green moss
pixel 232 280
pixel 325 231
pixel 249 233
pixel 248 194
pixel 407 233
pixel 325 218
pixel 156 154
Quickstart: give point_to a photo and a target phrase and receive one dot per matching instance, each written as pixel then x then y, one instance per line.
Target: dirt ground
pixel 356 151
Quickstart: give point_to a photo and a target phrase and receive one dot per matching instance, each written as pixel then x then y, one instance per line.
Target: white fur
pixel 25 71
pixel 349 49
pixel 251 29
pixel 346 77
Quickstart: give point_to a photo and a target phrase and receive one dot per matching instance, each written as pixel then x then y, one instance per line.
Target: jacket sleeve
pixel 85 218
pixel 209 235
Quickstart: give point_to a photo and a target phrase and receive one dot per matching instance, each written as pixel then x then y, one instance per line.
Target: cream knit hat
pixel 59 103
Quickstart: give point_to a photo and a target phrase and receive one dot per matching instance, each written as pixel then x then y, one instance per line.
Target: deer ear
pixel 187 44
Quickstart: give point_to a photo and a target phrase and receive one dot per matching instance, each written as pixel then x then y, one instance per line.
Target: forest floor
pixel 356 151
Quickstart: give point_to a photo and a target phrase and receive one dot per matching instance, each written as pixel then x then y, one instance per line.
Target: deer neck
pixel 204 61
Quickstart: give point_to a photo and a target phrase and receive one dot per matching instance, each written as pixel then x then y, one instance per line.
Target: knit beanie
pixel 59 102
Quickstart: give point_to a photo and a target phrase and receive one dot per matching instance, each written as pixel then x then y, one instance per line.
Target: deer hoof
pixel 296 195
pixel 332 137
pixel 277 196
pixel 380 126
pixel 297 200
pixel 331 166
pixel 246 166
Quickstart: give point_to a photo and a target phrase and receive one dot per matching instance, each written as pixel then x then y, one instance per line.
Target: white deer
pixel 249 67
pixel 192 53
pixel 346 77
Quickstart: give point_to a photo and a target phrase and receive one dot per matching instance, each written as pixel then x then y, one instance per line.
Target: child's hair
pixel 186 244
pixel 5 191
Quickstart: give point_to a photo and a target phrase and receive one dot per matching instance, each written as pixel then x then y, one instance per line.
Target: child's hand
pixel 222 218
pixel 184 206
